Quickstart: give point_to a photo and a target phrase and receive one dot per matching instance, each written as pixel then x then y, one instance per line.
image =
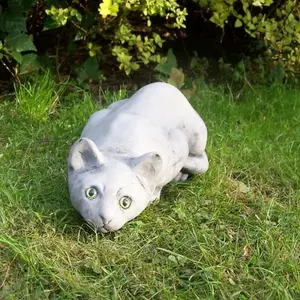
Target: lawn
pixel 230 234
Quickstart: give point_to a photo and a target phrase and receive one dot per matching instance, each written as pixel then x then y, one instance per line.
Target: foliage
pixel 114 23
pixel 275 22
pixel 258 71
pixel 89 71
pixel 133 32
pixel 171 73
pixel 231 234
pixel 16 43
pixel 62 15
pixel 126 40
pixel 239 76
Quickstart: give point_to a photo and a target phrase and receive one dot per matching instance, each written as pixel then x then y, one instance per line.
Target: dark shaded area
pixel 57 49
pixel 210 41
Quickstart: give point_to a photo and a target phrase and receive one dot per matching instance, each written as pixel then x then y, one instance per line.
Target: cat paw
pixel 180 177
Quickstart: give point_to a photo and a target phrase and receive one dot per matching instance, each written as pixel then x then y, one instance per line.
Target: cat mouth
pixel 102 228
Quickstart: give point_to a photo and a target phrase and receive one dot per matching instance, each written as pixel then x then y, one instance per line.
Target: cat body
pixel 129 151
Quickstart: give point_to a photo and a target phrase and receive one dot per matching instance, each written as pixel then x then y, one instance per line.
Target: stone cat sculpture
pixel 130 150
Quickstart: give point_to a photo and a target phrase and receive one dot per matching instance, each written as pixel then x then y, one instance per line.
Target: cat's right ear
pixel 84 154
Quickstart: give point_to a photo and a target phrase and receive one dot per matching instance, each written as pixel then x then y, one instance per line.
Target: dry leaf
pixel 246 252
pixel 188 93
pixel 176 77
pixel 242 187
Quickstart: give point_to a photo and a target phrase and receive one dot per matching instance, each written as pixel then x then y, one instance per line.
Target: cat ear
pixel 147 167
pixel 84 154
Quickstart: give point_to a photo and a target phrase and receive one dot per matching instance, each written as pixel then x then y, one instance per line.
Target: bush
pixel 277 23
pixel 133 31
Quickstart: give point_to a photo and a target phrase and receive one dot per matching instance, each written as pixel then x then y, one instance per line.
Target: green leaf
pixel 29 63
pixel 20 6
pixel 17 56
pixel 12 22
pixel 92 53
pixel 172 58
pixel 158 39
pixel 257 3
pixel 19 42
pixel 236 76
pixel 107 7
pixel 194 62
pixel 49 24
pixel 89 70
pixel 166 68
pixel 238 23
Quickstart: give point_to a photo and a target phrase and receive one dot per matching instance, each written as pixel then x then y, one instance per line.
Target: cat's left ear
pixel 84 154
pixel 147 167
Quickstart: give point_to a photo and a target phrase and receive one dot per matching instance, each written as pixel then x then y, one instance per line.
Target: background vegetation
pixel 89 37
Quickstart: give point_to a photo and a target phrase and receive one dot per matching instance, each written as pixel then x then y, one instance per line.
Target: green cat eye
pixel 125 202
pixel 91 193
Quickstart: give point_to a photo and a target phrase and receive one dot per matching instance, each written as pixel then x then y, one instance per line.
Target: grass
pixel 38 98
pixel 231 234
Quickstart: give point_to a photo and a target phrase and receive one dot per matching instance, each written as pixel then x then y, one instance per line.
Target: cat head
pixel 109 192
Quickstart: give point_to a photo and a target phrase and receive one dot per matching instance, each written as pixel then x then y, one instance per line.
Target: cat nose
pixel 105 220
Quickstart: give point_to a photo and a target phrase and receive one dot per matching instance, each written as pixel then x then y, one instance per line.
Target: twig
pixel 80 28
pixel 249 84
pixel 223 34
pixel 9 70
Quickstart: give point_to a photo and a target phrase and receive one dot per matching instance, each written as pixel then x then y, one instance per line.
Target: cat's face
pixel 109 196
pixel 107 192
